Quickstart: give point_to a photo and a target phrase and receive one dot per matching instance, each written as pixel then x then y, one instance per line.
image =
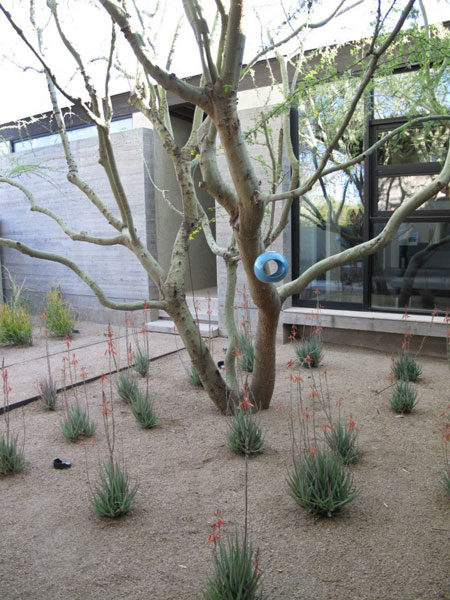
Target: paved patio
pixel 27 365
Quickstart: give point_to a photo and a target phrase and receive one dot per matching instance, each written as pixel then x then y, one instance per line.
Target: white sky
pixel 24 92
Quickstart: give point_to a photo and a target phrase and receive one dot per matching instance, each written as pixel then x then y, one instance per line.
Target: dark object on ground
pixel 61 464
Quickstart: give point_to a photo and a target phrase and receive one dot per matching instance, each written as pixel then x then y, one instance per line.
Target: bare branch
pixel 234 46
pixel 53 6
pixel 295 32
pixel 81 236
pixel 223 33
pixel 76 101
pixel 200 28
pixel 168 81
pixel 213 182
pixel 112 47
pixel 214 247
pixel 34 253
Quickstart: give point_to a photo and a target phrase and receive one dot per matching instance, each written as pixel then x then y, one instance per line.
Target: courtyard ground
pixel 391 543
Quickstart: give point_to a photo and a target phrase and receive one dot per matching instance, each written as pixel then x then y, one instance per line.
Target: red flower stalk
pixel 293 332
pixel 215 526
pixel 106 409
pixel 245 403
pixel 351 425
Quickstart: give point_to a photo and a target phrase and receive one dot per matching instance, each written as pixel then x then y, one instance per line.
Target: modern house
pixel 362 303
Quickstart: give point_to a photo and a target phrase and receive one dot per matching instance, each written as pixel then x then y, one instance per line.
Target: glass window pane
pixel 418 145
pixel 331 220
pixel 393 191
pixel 410 93
pixel 80 133
pixel 414 270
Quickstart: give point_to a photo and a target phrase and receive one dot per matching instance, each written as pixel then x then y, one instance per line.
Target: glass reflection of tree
pixel 441 236
pixel 335 204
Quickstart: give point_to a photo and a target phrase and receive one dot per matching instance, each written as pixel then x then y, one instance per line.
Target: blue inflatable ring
pixel 263 259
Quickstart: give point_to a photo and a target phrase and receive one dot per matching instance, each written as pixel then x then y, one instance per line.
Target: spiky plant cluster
pixel 141 362
pixel 236 572
pixel 406 368
pixel 245 435
pixel 113 494
pixel 342 439
pixel 76 423
pixel 404 398
pixel 309 352
pixel 11 456
pixel 320 482
pixel 142 409
pixel 49 393
pixel 247 352
pixel 126 387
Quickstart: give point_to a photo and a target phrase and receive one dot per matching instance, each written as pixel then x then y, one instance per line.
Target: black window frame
pixel 372 171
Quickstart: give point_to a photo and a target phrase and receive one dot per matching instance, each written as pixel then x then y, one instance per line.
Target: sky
pixel 24 90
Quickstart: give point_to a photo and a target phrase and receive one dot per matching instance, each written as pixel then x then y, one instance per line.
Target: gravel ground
pixel 391 543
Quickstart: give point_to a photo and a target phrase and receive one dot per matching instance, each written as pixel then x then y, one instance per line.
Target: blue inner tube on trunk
pixel 263 259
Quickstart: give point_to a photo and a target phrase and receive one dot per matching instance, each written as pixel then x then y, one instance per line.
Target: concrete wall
pixel 202 271
pixel 115 268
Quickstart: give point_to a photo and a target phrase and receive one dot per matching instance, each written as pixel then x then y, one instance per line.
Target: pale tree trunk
pixel 213 383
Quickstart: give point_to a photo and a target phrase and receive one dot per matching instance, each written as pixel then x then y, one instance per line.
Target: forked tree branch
pixel 168 81
pixel 104 300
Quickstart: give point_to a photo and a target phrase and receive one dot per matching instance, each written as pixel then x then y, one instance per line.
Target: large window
pixel 331 216
pixel 345 209
pixel 413 272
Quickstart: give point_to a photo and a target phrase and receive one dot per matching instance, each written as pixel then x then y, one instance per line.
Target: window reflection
pixel 393 191
pixel 331 220
pixel 414 270
pixel 80 133
pixel 418 145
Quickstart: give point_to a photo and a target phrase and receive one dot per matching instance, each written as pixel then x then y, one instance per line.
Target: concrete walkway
pixel 87 354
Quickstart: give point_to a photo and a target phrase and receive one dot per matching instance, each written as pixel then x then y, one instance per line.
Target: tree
pixel 335 139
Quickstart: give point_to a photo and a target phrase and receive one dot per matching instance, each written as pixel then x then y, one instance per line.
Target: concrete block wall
pixel 115 268
pixel 201 271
